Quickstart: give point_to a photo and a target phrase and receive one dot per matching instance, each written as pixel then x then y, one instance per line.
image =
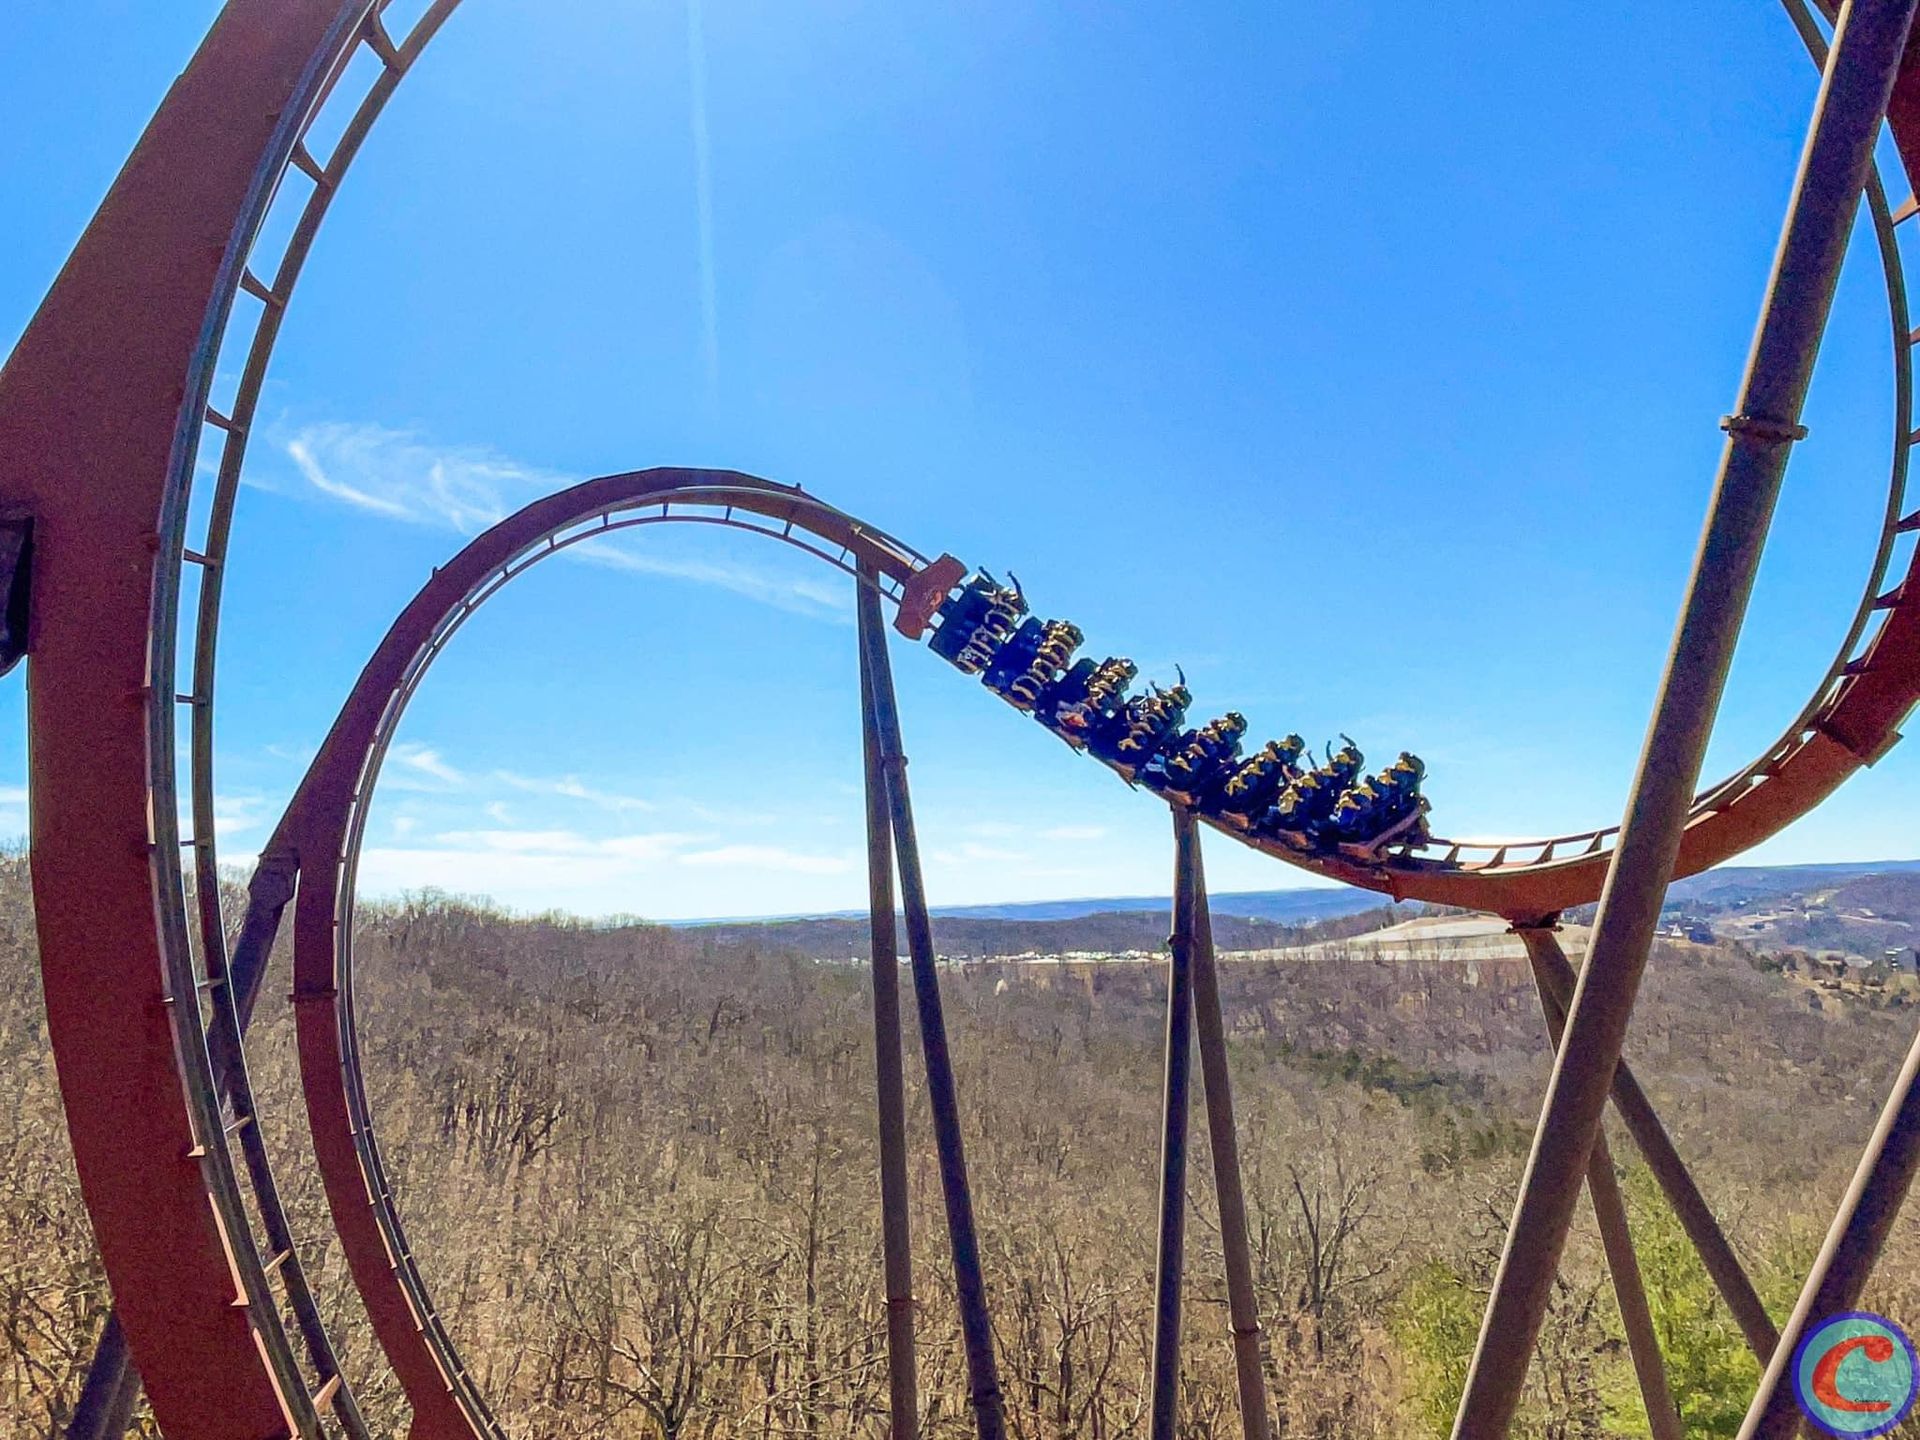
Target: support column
pixel 895 1226
pixel 976 1331
pixel 1170 1264
pixel 1556 979
pixel 1859 1231
pixel 112 1388
pixel 1616 1237
pixel 1243 1309
pixel 1868 44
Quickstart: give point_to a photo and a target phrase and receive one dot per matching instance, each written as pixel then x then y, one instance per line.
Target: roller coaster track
pixel 107 407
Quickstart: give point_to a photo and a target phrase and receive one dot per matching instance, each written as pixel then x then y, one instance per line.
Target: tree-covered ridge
pixel 639 1167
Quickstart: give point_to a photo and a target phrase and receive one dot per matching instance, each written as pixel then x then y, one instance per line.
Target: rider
pixel 1140 730
pixel 1308 803
pixel 1375 806
pixel 1086 698
pixel 1199 756
pixel 1253 786
pixel 974 623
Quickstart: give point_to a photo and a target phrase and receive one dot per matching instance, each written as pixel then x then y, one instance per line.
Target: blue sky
pixel 1365 361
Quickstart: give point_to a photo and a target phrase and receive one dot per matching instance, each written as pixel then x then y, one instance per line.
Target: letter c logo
pixel 1826 1374
pixel 1856 1375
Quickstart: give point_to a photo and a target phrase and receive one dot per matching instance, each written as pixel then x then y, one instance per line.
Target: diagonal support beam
pixel 1616 1236
pixel 1859 1230
pixel 976 1330
pixel 1865 56
pixel 1243 1311
pixel 1555 977
pixel 889 1076
pixel 110 1391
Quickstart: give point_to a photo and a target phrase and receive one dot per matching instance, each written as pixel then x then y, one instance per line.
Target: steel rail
pixel 219 1019
pixel 126 340
pixel 224 1024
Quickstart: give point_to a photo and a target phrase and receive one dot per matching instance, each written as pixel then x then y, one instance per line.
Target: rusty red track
pixel 104 410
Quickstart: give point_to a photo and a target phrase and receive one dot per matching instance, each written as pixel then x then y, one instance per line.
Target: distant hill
pixel 1755 882
pixel 1321 902
pixel 1263 919
pixel 1294 906
pixel 1891 894
pixel 1107 932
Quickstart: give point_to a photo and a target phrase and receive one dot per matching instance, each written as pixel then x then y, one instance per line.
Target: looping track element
pixel 323 828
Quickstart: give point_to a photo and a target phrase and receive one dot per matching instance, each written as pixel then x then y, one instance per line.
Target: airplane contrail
pixel 703 190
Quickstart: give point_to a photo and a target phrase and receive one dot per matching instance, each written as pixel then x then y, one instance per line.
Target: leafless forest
pixel 640 1166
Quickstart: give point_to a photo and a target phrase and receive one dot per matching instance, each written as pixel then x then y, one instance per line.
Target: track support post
pixel 1170 1260
pixel 1243 1309
pixel 1869 41
pixel 1846 1259
pixel 889 1077
pixel 110 1391
pixel 976 1329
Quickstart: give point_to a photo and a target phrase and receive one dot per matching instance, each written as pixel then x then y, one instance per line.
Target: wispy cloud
pixel 570 787
pixel 539 842
pixel 972 852
pixel 664 845
pixel 823 597
pixel 399 475
pixel 236 814
pixel 1075 832
pixel 770 857
pixel 422 768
